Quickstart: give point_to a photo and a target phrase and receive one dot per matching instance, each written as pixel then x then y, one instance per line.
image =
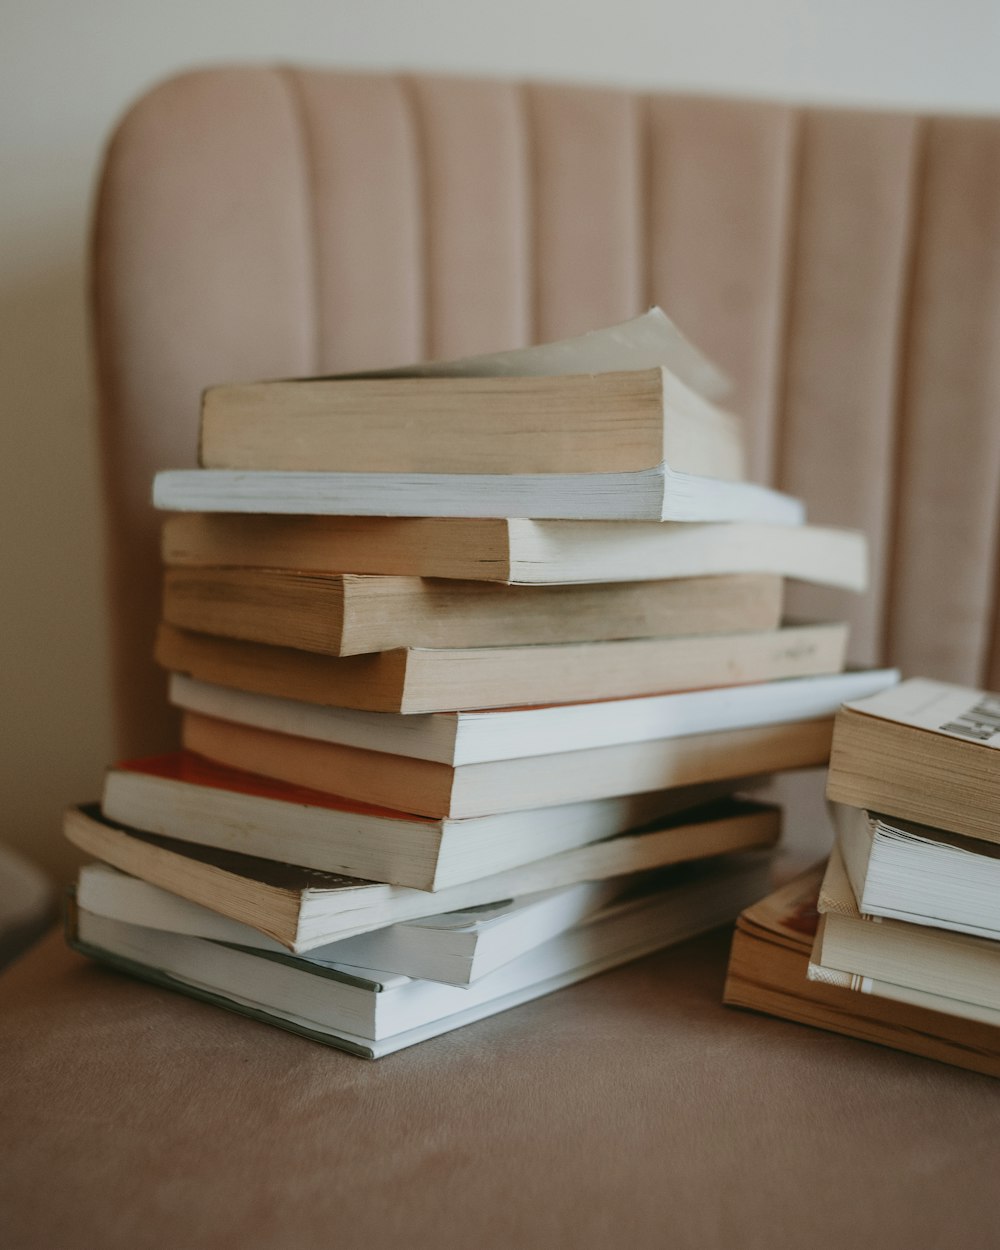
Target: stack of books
pixel 897 940
pixel 472 660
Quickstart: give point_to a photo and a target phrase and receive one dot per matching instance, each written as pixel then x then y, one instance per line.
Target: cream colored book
pixel 630 396
pixel 471 790
pixel 648 341
pixel 304 909
pixel 351 614
pixel 949 972
pixel 580 423
pixel 515 550
pixel 443 680
pixel 924 751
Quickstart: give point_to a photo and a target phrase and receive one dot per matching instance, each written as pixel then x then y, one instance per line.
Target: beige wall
pixel 68 68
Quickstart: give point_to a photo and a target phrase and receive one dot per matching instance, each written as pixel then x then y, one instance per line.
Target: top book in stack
pixel 615 425
pixel 923 751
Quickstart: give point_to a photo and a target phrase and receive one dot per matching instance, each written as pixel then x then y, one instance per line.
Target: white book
pixel 906 871
pixel 196 802
pixel 953 972
pixel 376 1018
pixel 653 494
pixel 456 948
pixel 461 738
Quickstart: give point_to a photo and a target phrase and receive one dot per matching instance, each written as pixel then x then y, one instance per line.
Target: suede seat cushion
pixel 630 1110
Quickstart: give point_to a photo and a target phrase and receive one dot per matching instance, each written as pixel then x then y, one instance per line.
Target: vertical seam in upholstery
pixel 643 206
pixel 104 350
pixel 786 312
pixel 916 194
pixel 408 86
pixel 292 83
pixel 532 303
pixel 988 675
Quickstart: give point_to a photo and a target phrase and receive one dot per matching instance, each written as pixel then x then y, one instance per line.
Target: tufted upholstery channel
pixel 843 266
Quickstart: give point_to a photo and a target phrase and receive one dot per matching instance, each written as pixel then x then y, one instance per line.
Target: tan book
pixel 515 550
pixel 907 962
pixel 348 614
pixel 923 751
pixel 303 909
pixel 583 423
pixel 768 973
pixel 433 789
pixel 444 680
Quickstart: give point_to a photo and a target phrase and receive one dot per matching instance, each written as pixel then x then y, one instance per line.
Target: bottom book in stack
pixel 381 967
pixel 776 966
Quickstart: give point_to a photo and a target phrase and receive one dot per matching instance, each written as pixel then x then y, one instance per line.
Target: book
pixel 644 342
pixel 377 1016
pixel 455 948
pixel 459 738
pixel 303 909
pixel 516 551
pixel 768 969
pixel 453 679
pixel 473 791
pixel 660 493
pixel 611 422
pixel 924 751
pixel 589 401
pixel 894 959
pixel 905 871
pixel 187 797
pixel 351 614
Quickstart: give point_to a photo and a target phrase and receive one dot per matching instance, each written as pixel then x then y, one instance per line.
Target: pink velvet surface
pixel 632 1109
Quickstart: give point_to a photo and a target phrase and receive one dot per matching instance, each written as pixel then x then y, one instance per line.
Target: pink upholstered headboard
pixel 843 266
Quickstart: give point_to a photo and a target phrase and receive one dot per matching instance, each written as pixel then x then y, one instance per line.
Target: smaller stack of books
pixel 448 743
pixel 899 936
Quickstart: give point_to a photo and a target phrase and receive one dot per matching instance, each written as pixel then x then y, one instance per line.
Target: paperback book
pixel 516 550
pixel 304 908
pixel 376 1015
pixel 768 970
pixel 456 679
pixel 456 947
